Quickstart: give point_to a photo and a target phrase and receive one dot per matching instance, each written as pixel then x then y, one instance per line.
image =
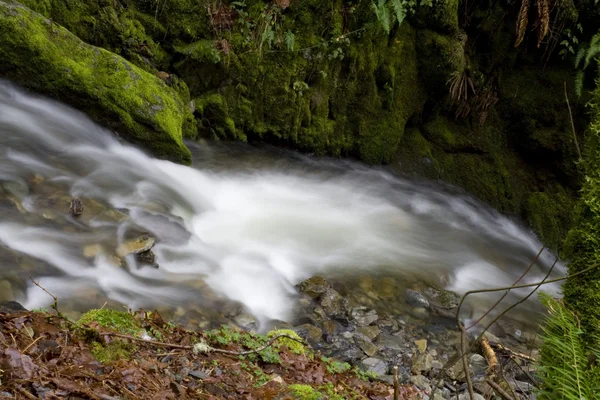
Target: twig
pixel 513 353
pixel 464 350
pixel 489 354
pixel 396 384
pixel 508 290
pixel 499 390
pixel 572 123
pixel 25 393
pixel 261 348
pixel 31 344
pixel 520 301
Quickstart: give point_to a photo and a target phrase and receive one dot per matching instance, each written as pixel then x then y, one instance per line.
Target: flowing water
pixel 243 223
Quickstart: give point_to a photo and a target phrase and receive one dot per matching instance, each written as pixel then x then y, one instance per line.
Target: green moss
pixel 294 346
pixel 304 392
pixel 119 321
pixel 113 351
pixel 439 56
pixel 47 58
pixel 582 247
pixel 551 215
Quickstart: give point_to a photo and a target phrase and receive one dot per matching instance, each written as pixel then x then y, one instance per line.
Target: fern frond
pixel 580 55
pixel 399 10
pixel 543 11
pixel 579 83
pixel 592 52
pixel 522 21
pixel 382 13
pixel 290 40
pixel 564 357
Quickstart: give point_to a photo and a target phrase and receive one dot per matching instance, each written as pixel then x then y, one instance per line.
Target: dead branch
pixel 464 350
pixel 501 392
pixel 396 384
pixel 489 354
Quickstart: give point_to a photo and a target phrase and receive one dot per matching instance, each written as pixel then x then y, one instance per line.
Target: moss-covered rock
pixel 43 56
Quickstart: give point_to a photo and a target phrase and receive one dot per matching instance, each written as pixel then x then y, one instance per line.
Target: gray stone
pixel 369 331
pixel 334 304
pixel 374 365
pixel 419 313
pixel 135 246
pixel 416 299
pixel 421 382
pixel 351 354
pixel 362 317
pixel 369 348
pixel 309 332
pixel 390 342
pixel 198 374
pixel 521 386
pixel 314 287
pixel 478 364
pixel 422 363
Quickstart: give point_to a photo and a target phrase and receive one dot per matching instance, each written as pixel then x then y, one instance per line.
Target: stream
pixel 244 224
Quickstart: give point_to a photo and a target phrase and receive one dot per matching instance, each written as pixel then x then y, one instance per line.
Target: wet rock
pixel 443 298
pixel 246 322
pixel 146 258
pixel 309 332
pixel 369 331
pixel 76 207
pixel 416 299
pixel 92 250
pixel 422 363
pixel 421 382
pixel 11 307
pixel 478 364
pixel 350 354
pixel 364 317
pixel 314 287
pixel 374 365
pixel 6 292
pixel 390 342
pixel 136 246
pixel 367 347
pixel 521 386
pixel 419 313
pixel 334 305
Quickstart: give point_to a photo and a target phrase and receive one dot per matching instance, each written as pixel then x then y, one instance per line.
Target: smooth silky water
pixel 244 223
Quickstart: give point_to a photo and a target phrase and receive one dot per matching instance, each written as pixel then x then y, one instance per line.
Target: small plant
pixel 364 375
pixel 294 346
pixel 564 366
pixel 305 392
pixel 390 12
pixel 585 54
pixel 113 351
pixel 335 367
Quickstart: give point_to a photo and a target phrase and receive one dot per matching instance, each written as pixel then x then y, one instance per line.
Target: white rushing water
pixel 250 223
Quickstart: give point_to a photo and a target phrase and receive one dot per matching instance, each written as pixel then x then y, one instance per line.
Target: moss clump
pixel 47 58
pixel 113 351
pixel 305 392
pixel 294 346
pixel 119 321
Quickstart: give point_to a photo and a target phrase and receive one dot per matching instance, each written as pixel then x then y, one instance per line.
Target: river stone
pixel 374 365
pixel 422 363
pixel 362 317
pixel 369 348
pixel 369 331
pixel 334 304
pixel 416 299
pixel 390 342
pixel 10 307
pixel 309 332
pixel 314 287
pixel 521 386
pixel 478 364
pixel 135 246
pixel 6 292
pixel 421 382
pixel 246 321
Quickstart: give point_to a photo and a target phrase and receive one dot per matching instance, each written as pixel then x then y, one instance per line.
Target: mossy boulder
pixel 47 58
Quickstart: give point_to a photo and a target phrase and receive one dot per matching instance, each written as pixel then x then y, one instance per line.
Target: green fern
pixel 564 365
pixel 584 56
pixel 290 40
pixel 382 13
pixel 399 10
